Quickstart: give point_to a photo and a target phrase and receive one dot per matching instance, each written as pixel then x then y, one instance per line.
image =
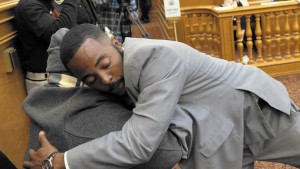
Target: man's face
pixel 99 64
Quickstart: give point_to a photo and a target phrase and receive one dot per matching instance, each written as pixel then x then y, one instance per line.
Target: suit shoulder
pixel 137 42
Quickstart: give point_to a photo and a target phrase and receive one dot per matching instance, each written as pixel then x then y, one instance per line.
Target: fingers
pixel 27 164
pixel 38 156
pixel 43 139
pixel 32 153
pixel 46 146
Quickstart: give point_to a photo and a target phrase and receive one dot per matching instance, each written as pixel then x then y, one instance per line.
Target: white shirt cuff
pixel 66 162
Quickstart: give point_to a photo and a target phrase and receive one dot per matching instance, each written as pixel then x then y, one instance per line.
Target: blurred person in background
pixel 36 21
pixel 145 6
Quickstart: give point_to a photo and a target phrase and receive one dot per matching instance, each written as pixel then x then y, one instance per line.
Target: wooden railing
pixel 14 126
pixel 271 39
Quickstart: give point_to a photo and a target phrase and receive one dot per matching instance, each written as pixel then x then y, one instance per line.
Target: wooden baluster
pixel 296 33
pixel 204 19
pixel 191 31
pixel 200 31
pixel 239 37
pixel 218 44
pixel 209 35
pixel 258 41
pixel 195 35
pixel 249 39
pixel 187 28
pixel 287 35
pixel 214 37
pixel 193 42
pixel 227 49
pixel 277 37
pixel 268 38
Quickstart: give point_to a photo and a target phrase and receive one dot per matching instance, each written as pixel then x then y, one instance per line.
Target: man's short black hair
pixel 75 37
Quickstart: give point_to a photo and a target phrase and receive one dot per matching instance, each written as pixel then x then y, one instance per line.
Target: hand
pixel 37 157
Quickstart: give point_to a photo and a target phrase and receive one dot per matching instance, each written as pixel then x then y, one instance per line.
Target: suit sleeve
pixel 161 83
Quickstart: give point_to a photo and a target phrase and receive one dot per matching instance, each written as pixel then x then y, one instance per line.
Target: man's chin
pixel 122 93
pixel 120 90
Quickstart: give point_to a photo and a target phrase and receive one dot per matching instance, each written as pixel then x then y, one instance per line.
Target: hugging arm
pixel 95 117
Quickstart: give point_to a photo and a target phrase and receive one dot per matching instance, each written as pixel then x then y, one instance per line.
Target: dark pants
pixel 145 6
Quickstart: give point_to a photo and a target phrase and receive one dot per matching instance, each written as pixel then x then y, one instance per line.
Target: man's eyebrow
pixel 99 58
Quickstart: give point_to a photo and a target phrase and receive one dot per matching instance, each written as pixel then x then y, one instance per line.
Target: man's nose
pixel 106 78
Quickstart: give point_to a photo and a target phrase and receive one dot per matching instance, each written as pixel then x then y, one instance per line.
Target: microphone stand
pixel 126 9
pixel 94 13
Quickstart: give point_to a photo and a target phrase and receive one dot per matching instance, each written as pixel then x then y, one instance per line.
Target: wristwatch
pixel 47 163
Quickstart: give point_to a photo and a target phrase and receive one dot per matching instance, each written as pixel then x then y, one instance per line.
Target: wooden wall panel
pixel 14 126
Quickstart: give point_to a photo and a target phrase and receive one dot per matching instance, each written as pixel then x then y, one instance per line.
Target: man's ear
pixel 116 43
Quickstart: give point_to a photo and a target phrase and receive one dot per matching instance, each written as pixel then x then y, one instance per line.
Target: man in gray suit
pixel 225 114
pixel 72 113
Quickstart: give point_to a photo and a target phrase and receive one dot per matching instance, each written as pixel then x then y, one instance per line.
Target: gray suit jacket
pixel 198 97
